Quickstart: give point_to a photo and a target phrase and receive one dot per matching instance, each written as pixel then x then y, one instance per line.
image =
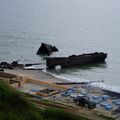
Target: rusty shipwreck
pixel 75 60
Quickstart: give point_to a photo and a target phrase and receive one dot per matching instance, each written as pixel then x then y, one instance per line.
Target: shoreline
pixel 35 74
pixel 52 79
pixel 35 82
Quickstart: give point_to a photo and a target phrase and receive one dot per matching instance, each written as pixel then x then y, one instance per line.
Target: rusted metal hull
pixel 74 60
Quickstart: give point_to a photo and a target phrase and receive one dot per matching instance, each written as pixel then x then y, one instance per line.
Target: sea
pixel 73 26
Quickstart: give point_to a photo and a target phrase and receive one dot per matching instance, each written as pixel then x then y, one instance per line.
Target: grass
pixel 107 118
pixel 57 114
pixel 14 106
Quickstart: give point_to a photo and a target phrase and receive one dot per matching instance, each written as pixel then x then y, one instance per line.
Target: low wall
pixel 25 79
pixel 46 83
pixel 7 75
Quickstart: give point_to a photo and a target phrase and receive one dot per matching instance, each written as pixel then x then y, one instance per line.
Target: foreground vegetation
pixel 14 106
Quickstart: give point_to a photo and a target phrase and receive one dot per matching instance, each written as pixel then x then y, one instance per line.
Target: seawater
pixel 74 26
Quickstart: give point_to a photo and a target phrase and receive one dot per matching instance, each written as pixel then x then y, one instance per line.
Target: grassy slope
pixel 13 106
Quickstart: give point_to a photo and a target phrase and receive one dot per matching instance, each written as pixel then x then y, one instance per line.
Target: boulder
pixel 54 49
pixel 15 63
pixel 46 49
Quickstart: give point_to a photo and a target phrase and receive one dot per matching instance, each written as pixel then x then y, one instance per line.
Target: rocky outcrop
pixel 6 65
pixel 46 49
pixel 12 65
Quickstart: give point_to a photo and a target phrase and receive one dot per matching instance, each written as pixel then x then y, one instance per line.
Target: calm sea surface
pixel 74 26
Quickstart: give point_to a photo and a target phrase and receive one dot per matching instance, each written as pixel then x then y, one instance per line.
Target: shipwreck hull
pixel 73 61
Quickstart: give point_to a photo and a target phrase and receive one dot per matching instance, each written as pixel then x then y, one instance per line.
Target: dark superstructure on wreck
pixel 75 60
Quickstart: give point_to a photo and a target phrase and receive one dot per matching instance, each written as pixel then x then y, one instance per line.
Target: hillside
pixel 14 106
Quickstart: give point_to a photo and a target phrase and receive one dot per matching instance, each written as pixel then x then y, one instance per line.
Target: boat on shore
pixel 75 60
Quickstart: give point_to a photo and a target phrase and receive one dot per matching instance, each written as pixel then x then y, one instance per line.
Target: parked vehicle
pixel 84 102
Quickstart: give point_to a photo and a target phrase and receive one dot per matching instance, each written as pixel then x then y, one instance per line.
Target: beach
pixel 42 76
pixel 34 74
pixel 75 27
pixel 35 79
pixel 35 82
pixel 98 32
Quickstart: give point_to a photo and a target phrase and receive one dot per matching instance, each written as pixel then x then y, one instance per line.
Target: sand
pixel 37 77
pixel 28 86
pixel 45 77
pixel 35 74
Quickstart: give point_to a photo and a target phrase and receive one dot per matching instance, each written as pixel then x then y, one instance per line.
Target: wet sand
pixel 48 78
pixel 35 74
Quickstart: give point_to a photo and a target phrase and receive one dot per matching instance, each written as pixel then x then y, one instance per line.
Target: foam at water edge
pixel 57 76
pixel 106 87
pixel 95 84
pixel 67 78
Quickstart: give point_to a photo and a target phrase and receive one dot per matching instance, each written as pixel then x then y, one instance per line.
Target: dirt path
pixel 87 113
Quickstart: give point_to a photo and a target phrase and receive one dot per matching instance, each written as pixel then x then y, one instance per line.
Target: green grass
pixel 107 118
pixel 14 106
pixel 57 114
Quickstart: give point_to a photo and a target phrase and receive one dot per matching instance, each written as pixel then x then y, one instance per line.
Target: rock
pixel 1 70
pixel 46 49
pixel 6 65
pixel 54 49
pixel 15 63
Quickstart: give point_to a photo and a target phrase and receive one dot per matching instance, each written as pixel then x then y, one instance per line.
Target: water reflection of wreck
pixel 75 60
